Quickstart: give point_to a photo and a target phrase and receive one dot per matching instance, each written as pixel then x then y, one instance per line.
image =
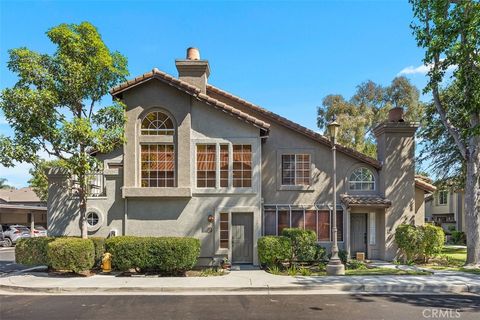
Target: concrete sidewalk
pixel 246 281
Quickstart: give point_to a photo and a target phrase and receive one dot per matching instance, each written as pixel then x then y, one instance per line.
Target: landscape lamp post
pixel 334 266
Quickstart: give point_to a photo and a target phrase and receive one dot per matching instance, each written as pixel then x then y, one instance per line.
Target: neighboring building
pixel 202 162
pixel 446 208
pixel 22 206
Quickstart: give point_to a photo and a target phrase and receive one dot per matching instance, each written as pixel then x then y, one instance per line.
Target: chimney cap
pixel 193 54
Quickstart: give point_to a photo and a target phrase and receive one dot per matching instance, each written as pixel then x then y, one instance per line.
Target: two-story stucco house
pixel 445 208
pixel 202 162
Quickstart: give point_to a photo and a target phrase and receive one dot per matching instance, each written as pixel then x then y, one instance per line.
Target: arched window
pixel 362 179
pixel 157 123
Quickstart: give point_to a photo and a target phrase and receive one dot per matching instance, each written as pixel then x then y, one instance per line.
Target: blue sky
pixel 284 56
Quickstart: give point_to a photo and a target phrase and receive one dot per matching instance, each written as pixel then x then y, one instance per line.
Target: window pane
pixel 311 220
pixel 157 165
pixel 157 123
pixel 270 222
pixel 323 226
pixel 242 166
pixel 206 165
pixel 296 169
pixel 224 234
pixel 283 221
pixel 297 219
pixel 362 179
pixel 224 166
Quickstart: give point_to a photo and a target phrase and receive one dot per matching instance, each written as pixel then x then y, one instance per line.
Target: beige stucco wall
pixel 419 207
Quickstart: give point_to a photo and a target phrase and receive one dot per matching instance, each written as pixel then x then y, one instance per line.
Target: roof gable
pixel 294 126
pixel 191 90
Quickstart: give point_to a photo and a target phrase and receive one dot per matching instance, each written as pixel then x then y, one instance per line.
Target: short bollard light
pixel 106 262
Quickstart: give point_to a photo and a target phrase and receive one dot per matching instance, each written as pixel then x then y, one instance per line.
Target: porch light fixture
pixel 211 218
pixel 334 266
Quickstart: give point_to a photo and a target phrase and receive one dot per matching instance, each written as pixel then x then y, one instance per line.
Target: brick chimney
pixel 193 70
pixel 396 151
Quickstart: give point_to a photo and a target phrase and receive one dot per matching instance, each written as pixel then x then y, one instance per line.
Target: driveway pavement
pixel 7 261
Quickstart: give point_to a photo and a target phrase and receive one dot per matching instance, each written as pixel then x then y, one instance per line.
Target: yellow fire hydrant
pixel 106 262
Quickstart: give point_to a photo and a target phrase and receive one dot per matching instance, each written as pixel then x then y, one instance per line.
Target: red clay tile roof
pixel 192 90
pixel 295 126
pixel 424 183
pixel 365 200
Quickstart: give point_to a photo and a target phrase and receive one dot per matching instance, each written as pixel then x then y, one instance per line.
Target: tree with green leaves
pixel 449 32
pixel 4 185
pixel 366 109
pixel 55 105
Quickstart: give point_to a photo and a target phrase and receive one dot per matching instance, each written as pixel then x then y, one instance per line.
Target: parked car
pixel 2 238
pixel 13 233
pixel 39 231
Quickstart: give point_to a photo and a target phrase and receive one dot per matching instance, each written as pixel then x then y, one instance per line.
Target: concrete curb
pixel 355 288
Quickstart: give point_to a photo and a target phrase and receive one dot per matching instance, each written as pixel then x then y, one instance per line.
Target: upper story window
pixel 231 166
pixel 157 165
pixel 157 123
pixel 295 169
pixel 443 197
pixel 362 179
pixel 242 165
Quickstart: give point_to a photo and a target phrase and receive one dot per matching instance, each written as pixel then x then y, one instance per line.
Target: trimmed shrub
pixel 321 253
pixel 304 243
pixel 99 244
pixel 458 237
pixel 273 250
pixel 171 255
pixel 32 251
pixel 409 241
pixel 433 239
pixel 71 254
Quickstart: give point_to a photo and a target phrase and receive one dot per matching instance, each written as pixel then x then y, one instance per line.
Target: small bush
pixel 304 243
pixel 409 241
pixel 342 254
pixel 321 253
pixel 32 251
pixel 433 239
pixel 356 265
pixel 273 250
pixel 169 255
pixel 72 254
pixel 99 244
pixel 458 237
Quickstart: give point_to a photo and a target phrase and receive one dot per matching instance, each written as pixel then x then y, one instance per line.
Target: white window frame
pixel 361 182
pixel 230 145
pixel 444 192
pixel 296 156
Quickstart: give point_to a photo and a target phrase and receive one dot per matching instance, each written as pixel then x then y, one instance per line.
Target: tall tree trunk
pixel 82 194
pixel 472 217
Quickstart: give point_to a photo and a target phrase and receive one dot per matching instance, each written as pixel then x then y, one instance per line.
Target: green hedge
pixel 304 244
pixel 169 255
pixel 32 251
pixel 273 250
pixel 417 242
pixel 73 254
pixel 99 245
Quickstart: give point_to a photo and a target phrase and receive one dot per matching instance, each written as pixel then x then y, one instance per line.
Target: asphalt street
pixel 352 306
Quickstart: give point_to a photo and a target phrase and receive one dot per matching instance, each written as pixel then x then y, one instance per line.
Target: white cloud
pixel 3 120
pixel 422 69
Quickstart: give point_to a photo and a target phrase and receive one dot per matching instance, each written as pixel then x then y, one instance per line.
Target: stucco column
pixel 32 224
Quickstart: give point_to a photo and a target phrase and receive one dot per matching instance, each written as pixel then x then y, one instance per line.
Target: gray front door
pixel 242 237
pixel 358 233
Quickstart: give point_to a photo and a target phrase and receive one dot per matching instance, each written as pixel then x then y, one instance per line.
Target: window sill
pixel 295 188
pixel 226 191
pixel 136 192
